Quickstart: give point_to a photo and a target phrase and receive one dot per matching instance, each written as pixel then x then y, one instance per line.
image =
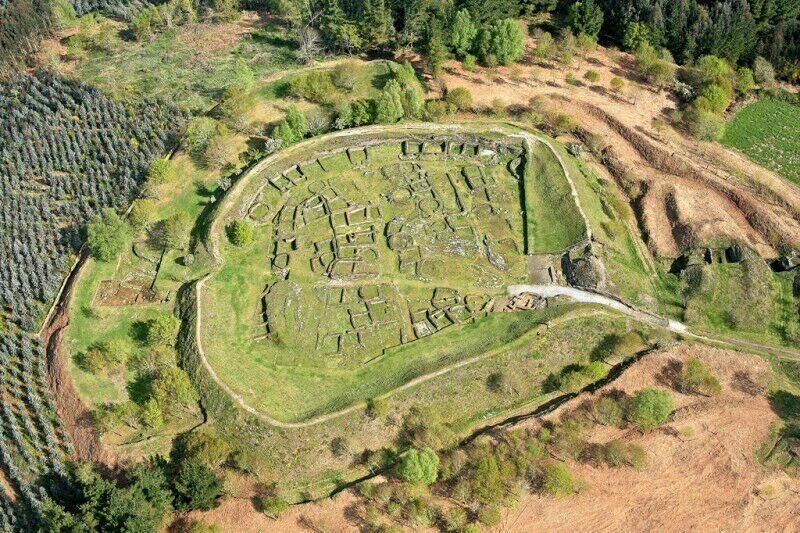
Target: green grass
pixel 553 220
pixel 768 131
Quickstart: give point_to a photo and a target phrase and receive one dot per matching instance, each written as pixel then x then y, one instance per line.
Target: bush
pixel 695 377
pixel 274 507
pixel 470 64
pixel 419 466
pixel 571 79
pixel 378 407
pixel 617 85
pixel 592 76
pixel 650 408
pixel 345 74
pixel 107 233
pixel 704 125
pixel 316 86
pixel 455 519
pixel 240 232
pixel 438 109
pixel 557 480
pixel 460 97
pixel 489 516
pixel 617 453
pixel 607 411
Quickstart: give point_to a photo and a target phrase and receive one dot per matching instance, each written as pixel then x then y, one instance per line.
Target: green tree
pixel 745 82
pixel 463 33
pixel 585 16
pixel 241 232
pixel 704 124
pixel 206 446
pixel 636 35
pixel 650 408
pixel 200 132
pixel 419 466
pixel 142 213
pixel 162 330
pixel 507 41
pixel 585 44
pixel 460 97
pixel 489 516
pixel 152 416
pixel 412 103
pixel 435 49
pixel 172 389
pixel 197 486
pixel 176 230
pixel 389 107
pixel 717 97
pixel 696 378
pixel 161 170
pixel 617 85
pixel 107 233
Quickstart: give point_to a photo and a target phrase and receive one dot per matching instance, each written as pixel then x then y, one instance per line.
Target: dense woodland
pixel 66 153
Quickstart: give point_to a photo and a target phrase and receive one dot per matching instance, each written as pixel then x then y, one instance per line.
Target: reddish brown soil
pixel 685 192
pixel 72 411
pixel 701 473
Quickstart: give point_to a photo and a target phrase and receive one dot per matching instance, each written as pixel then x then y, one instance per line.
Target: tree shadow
pixel 138 331
pixel 139 388
pixel 670 374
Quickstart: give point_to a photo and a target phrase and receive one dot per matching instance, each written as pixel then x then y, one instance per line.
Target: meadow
pixel 768 131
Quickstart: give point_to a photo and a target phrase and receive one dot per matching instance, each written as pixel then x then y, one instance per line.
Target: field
pixel 768 131
pixel 368 263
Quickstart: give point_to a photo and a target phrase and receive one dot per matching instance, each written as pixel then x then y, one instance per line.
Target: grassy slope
pixel 768 131
pixel 556 223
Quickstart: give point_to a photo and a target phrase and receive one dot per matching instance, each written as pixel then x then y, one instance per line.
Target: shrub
pixel 343 447
pixel 704 125
pixel 470 64
pixel 345 74
pixel 241 232
pixel 650 408
pixel 571 79
pixel 763 72
pixel 378 407
pixel 617 453
pixel 607 411
pixel 696 377
pixel 107 233
pixel 161 170
pixel 745 82
pixel 316 86
pixel 489 516
pixel 207 447
pixel 419 466
pixel 455 519
pixel 460 97
pixel 592 76
pixel 557 479
pixel 617 85
pixel 274 507
pixel 438 109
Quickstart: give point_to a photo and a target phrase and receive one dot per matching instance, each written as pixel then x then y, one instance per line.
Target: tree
pixel 704 124
pixel 162 330
pixel 171 389
pixel 412 103
pixel 435 50
pixel 142 213
pixel 507 41
pixel 557 479
pixel 637 34
pixel 696 378
pixel 220 150
pixel 716 96
pixel 419 467
pixel 389 107
pixel 152 416
pixel 241 232
pixel 200 132
pixel 107 233
pixel 293 127
pixel 94 359
pixel 650 408
pixel 607 411
pixel 745 82
pixel 197 486
pixel 460 97
pixel 206 446
pixel 462 33
pixel 161 170
pixel 176 230
pixel 346 73
pixel 584 16
pixel 763 72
